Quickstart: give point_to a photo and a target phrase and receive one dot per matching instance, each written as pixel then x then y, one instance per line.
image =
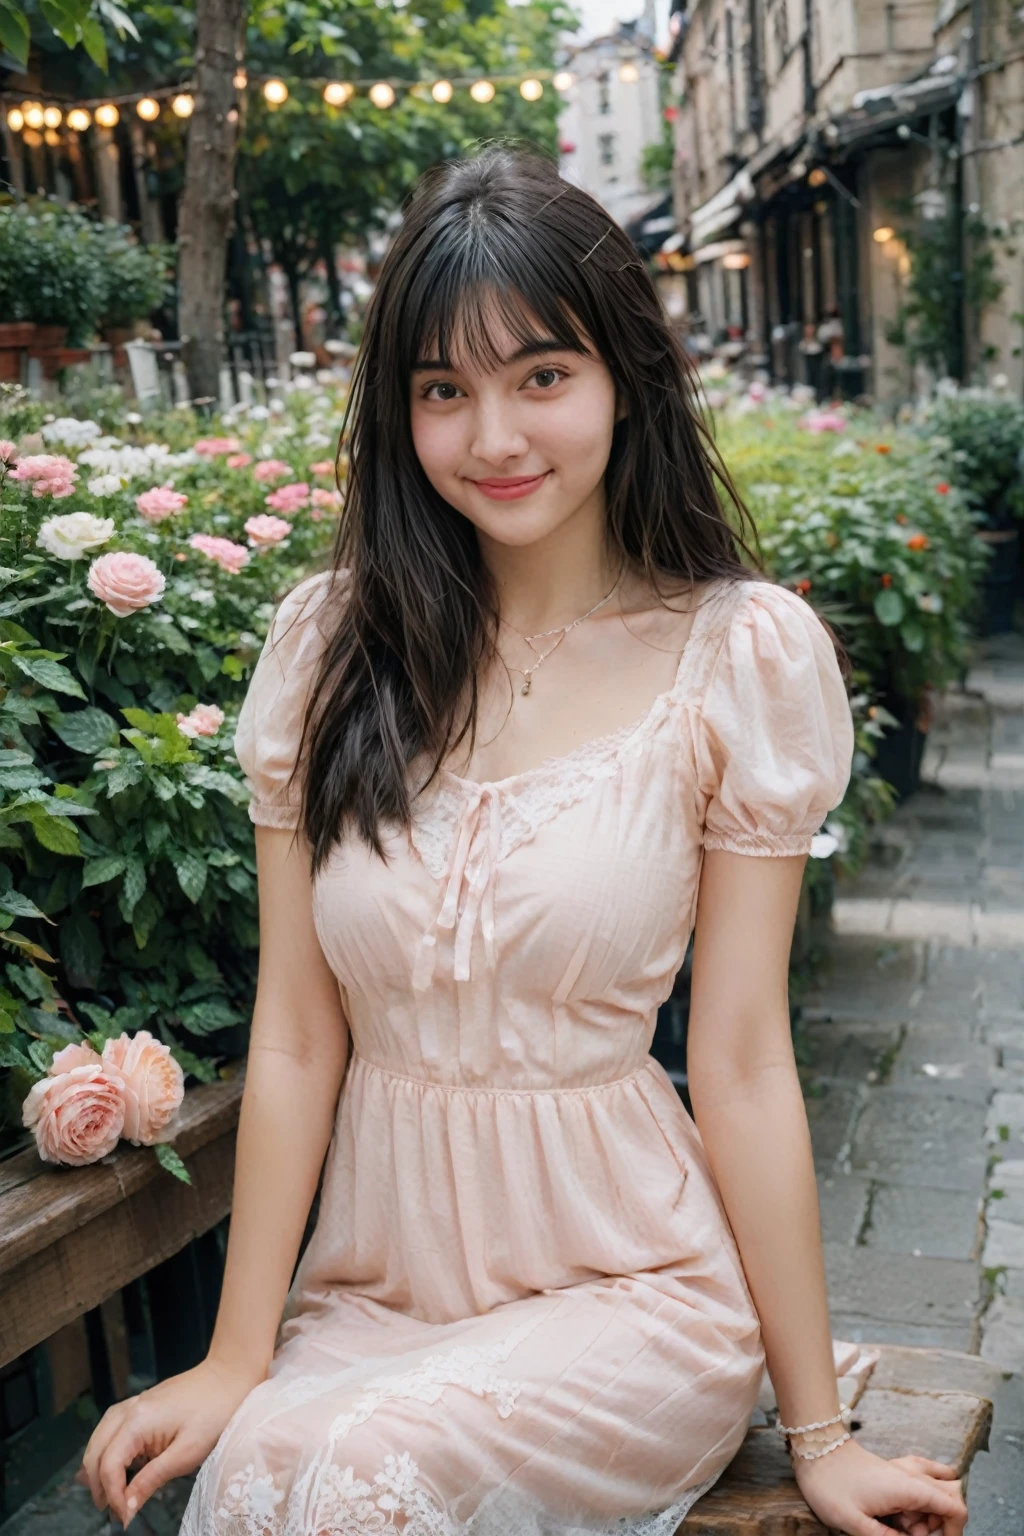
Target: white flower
pixel 71 433
pixel 105 485
pixel 930 602
pixel 258 413
pixel 133 418
pixel 75 534
pixel 823 845
pixel 838 831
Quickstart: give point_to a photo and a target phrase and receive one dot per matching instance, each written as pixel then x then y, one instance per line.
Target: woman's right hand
pixel 172 1428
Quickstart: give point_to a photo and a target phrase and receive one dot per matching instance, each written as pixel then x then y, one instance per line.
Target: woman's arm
pixel 297 1056
pixel 749 1110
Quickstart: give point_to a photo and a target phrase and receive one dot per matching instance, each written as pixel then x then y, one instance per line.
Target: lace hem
pixel 760 844
pixel 263 813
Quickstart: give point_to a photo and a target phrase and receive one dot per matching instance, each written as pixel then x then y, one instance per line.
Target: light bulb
pixel 275 92
pixel 78 119
pixel 563 81
pixel 53 117
pixel 628 73
pixel 442 91
pixel 148 109
pixel 883 234
pixel 240 80
pixel 382 94
pixel 531 90
pixel 52 137
pixel 482 91
pixel 337 92
pixel 32 138
pixel 34 116
pixel 183 105
pixel 15 120
pixel 108 116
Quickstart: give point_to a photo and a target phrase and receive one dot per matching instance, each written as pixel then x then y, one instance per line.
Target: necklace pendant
pixel 524 690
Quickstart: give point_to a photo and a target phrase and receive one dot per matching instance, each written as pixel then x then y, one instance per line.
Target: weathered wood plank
pixel 904 1411
pixel 71 1238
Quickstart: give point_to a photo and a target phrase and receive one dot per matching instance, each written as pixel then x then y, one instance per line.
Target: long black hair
pixel 502 234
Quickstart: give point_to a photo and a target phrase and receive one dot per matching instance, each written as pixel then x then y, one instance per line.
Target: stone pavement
pixel 913 1045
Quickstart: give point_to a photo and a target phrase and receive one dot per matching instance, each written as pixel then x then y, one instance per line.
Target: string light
pixel 275 93
pixel 442 91
pixel 628 73
pixel 78 119
pixel 531 90
pixel 241 80
pixel 563 81
pixel 53 117
pixel 337 92
pixel 381 94
pixel 883 234
pixel 108 116
pixel 34 116
pixel 15 120
pixel 148 109
pixel 183 105
pixel 32 138
pixel 482 91
pixel 52 137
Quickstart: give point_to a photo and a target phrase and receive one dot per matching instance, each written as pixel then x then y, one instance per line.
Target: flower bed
pixel 138 575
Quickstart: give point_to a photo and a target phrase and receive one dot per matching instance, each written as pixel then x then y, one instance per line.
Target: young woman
pixel 542 725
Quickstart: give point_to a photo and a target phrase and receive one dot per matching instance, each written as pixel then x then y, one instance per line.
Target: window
pixel 606 144
pixel 604 94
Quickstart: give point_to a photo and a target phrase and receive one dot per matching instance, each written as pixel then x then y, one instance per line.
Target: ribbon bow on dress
pixel 469 893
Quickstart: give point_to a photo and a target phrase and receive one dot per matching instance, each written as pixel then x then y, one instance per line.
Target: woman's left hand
pixel 853 1491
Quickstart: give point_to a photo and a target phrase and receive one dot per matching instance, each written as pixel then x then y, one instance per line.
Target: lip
pixel 511 487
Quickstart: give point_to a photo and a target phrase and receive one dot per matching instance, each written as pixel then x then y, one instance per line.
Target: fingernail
pixel 133 1505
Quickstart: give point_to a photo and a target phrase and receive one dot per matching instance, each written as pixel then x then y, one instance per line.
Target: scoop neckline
pixel 623 733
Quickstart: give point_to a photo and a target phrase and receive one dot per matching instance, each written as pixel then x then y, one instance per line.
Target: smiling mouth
pixel 512 487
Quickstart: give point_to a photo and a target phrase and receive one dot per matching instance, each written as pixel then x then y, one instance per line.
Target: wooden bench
pixel 71 1238
pixel 925 1402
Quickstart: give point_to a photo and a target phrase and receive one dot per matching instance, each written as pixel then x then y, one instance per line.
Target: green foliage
pixel 980 436
pixel 128 875
pixel 59 267
pixel 74 22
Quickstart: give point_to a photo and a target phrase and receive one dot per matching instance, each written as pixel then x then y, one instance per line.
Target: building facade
pixel 848 180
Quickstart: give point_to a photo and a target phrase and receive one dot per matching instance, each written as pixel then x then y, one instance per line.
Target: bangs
pixel 476 288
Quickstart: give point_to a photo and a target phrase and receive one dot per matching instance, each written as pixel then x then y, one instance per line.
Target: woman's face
pixel 521 447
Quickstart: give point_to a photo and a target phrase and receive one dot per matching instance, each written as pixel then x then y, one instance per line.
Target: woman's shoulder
pixel 306 611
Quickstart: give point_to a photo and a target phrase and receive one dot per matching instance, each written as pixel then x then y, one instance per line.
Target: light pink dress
pixel 522 1312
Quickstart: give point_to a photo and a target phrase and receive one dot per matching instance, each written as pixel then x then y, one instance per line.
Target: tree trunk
pixel 207 206
pixel 150 213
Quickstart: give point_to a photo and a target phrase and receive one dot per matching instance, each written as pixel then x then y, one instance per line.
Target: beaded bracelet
pixel 814 1455
pixel 842 1417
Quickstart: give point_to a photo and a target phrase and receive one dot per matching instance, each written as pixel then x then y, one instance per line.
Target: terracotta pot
pixel 117 335
pixel 49 336
pixel 54 359
pixel 10 366
pixel 16 333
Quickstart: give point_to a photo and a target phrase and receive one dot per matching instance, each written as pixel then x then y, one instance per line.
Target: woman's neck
pixel 556 579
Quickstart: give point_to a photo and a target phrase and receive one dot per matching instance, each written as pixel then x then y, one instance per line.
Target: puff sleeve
pixel 775 734
pixel 270 722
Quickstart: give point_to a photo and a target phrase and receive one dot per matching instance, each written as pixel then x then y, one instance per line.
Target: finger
pixel 100 1438
pixel 940 1469
pixel 863 1525
pixel 174 1462
pixel 118 1456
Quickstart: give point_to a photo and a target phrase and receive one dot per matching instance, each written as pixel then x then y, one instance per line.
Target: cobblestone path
pixel 914 1042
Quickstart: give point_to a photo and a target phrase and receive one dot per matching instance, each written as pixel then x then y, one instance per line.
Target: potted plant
pixel 50 262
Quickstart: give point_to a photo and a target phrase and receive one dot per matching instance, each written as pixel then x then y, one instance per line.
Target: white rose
pixel 105 485
pixel 75 534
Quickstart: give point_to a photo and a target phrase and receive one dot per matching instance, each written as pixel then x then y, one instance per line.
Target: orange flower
pixel 803 587
pixel 882 448
pixel 901 517
pixel 942 488
pixel 917 541
pixel 887 580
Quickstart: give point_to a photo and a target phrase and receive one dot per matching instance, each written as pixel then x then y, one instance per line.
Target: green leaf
pixel 133 886
pixel 14 34
pixel 106 1027
pixel 169 1159
pixel 40 1054
pixel 203 1071
pixel 87 730
pixel 99 871
pixel 147 914
pixel 191 872
pixel 49 674
pixel 81 950
pixel 124 776
pixel 141 719
pixel 13 1052
pixel 912 634
pixel 94 42
pixel 7 1025
pixel 889 606
pixel 20 906
pixel 54 832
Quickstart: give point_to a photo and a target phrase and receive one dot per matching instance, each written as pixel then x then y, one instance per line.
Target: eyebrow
pixel 537 348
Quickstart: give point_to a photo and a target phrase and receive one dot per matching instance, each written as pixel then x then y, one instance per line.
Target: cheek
pixel 579 431
pixel 439 443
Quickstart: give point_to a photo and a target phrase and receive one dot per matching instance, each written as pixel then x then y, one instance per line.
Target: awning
pixel 721 211
pixel 884 107
pixel 720 248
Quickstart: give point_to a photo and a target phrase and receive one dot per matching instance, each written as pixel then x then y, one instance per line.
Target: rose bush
pixel 133 605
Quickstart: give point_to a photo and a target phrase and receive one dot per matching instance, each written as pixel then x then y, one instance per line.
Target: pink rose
pixel 289 499
pixel 160 502
pixel 125 582
pixel 77 1116
pixel 8 451
pixel 203 720
pixel 323 467
pixel 73 1056
pixel 264 531
pixel 823 421
pixel 214 447
pixel 230 557
pixel 272 469
pixel 238 460
pixel 152 1083
pixel 326 499
pixel 49 473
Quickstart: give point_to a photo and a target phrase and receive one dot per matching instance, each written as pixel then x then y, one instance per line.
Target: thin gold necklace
pixel 561 630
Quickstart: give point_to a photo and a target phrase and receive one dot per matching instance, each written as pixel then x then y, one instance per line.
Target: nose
pixel 496 435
